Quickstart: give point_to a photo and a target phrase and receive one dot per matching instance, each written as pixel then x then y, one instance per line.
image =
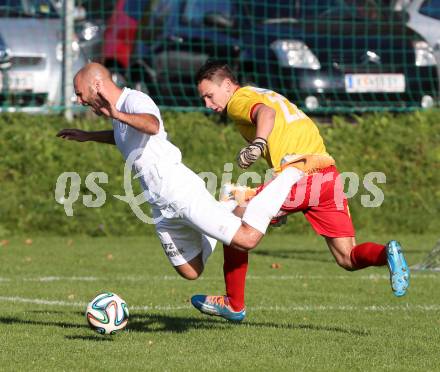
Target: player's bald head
pixel 91 82
pixel 93 71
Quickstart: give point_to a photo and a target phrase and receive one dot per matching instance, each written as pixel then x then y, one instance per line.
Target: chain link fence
pixel 327 56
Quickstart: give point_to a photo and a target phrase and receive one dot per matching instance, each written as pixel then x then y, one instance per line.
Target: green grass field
pixel 306 315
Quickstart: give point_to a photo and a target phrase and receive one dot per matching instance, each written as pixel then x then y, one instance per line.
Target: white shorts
pixel 191 220
pixel 181 242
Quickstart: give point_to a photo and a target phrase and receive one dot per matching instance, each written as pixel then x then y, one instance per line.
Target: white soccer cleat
pixel 239 193
pixel 226 192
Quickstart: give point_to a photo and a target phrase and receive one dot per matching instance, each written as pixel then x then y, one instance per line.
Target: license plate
pixel 17 81
pixel 374 83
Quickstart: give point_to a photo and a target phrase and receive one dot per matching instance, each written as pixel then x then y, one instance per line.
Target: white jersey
pixel 153 154
pixel 156 148
pixel 190 218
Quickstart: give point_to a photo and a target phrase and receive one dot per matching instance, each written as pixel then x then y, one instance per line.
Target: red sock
pixel 368 254
pixel 234 269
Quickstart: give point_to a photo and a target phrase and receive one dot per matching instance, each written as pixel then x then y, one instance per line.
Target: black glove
pixel 249 154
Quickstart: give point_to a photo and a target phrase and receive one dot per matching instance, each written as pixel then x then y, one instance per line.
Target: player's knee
pixel 191 275
pixel 189 272
pixel 248 239
pixel 345 262
pixel 249 243
pixel 245 247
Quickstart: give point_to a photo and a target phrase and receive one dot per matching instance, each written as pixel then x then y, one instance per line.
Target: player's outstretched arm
pixel 103 136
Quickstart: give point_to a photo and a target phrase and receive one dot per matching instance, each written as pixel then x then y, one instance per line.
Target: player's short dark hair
pixel 215 70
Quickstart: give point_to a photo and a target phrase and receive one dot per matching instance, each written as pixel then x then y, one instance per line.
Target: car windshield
pixel 27 8
pixel 276 11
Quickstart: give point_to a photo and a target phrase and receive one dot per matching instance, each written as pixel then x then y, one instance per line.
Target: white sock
pixel 263 207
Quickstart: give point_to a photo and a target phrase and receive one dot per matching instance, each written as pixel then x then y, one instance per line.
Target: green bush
pixel 404 147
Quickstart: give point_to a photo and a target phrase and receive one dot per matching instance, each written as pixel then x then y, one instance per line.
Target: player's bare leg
pixel 192 269
pixel 256 218
pixel 263 207
pixel 354 257
pixel 341 250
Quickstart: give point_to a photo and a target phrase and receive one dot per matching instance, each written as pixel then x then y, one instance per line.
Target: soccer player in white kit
pixel 191 220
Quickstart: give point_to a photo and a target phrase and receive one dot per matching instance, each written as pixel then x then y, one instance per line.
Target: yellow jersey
pixel 293 132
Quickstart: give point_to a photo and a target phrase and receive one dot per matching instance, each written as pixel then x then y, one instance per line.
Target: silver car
pixel 31 56
pixel 424 18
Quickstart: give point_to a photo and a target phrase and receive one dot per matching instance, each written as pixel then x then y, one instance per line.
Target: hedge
pixel 405 147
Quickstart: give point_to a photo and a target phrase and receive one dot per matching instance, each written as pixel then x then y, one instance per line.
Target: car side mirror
pixel 217 20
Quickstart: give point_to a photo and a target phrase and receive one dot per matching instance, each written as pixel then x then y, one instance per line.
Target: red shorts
pixel 321 198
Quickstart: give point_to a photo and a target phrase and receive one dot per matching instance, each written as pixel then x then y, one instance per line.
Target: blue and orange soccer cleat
pixel 399 270
pixel 218 306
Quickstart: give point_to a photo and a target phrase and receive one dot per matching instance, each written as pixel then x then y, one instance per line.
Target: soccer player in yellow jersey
pixel 286 130
pixel 276 129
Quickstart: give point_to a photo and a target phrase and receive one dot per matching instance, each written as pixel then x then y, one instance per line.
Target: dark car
pixel 326 55
pixel 90 19
pixel 120 33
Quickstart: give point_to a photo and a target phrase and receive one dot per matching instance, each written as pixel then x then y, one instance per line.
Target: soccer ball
pixel 107 313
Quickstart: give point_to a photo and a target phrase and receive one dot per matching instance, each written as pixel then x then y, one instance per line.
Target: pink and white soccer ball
pixel 107 313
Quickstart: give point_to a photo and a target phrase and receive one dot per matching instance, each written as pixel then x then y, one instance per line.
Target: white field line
pixel 372 308
pixel 40 301
pixel 60 278
pixel 147 278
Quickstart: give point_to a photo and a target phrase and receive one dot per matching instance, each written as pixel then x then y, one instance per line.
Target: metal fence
pixel 327 56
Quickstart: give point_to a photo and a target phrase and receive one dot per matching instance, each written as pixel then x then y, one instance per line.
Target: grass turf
pixel 308 314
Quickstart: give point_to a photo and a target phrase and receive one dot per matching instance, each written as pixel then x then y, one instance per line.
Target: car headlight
pixel 294 53
pixel 424 54
pixel 75 50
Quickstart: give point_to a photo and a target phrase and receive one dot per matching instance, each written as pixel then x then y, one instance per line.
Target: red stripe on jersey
pixel 251 113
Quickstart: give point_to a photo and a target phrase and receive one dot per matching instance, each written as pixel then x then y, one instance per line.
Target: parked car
pixel 5 58
pixel 90 18
pixel 424 18
pixel 120 33
pixel 89 28
pixel 31 31
pixel 326 55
